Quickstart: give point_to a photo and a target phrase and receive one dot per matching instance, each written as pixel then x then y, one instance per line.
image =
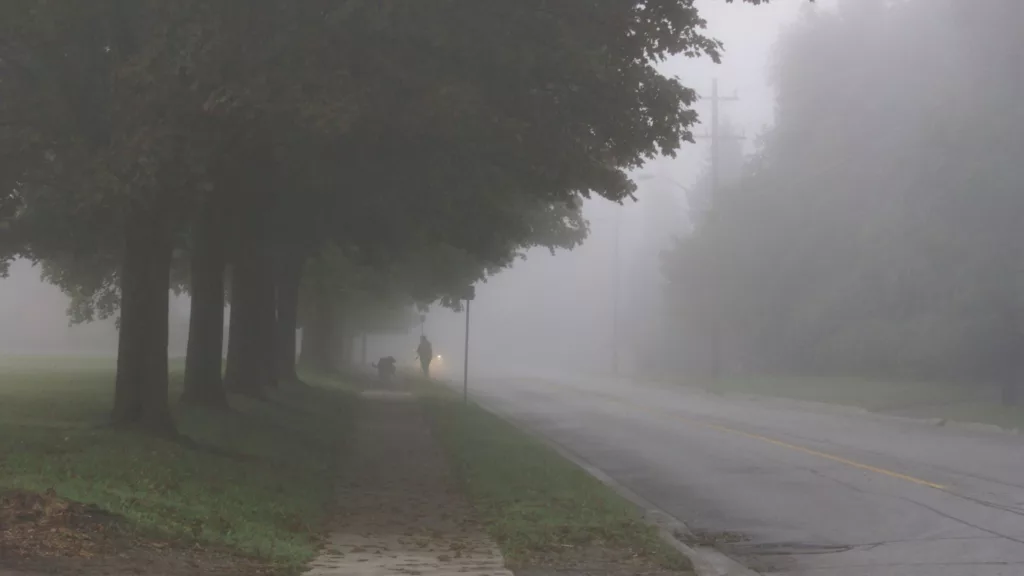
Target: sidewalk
pixel 400 510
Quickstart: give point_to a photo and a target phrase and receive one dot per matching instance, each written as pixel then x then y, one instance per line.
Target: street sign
pixel 468 295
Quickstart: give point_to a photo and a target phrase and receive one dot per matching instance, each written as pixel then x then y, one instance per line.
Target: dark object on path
pixel 385 368
pixel 425 351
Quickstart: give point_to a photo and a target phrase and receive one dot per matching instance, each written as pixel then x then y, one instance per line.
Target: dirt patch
pixel 42 525
pixel 711 539
pixel 44 534
pixel 594 561
pixel 138 561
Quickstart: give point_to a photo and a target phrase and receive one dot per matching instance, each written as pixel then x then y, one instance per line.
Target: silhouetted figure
pixel 426 353
pixel 385 368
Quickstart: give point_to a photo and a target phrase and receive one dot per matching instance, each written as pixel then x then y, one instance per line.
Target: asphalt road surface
pixel 795 489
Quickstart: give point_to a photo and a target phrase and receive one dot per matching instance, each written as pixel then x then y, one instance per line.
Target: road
pixel 794 489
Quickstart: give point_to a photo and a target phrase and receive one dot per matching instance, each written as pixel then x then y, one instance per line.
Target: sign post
pixel 469 296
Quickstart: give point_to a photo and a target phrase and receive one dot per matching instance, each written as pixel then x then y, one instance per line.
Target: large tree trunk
pixel 141 387
pixel 318 336
pixel 288 279
pixel 251 347
pixel 251 361
pixel 203 383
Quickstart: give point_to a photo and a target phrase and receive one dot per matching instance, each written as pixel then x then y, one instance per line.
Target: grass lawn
pixel 1007 417
pixel 259 483
pixel 536 504
pixel 864 393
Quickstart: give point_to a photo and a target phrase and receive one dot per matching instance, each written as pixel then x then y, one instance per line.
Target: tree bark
pixel 204 385
pixel 249 177
pixel 141 386
pixel 288 280
pixel 251 348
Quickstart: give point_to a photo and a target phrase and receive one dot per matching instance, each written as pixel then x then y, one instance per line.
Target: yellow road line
pixel 810 451
pixel 827 456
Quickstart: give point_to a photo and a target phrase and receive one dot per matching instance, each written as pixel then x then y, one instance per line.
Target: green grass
pixel 259 480
pixel 864 393
pixel 1007 417
pixel 917 399
pixel 535 503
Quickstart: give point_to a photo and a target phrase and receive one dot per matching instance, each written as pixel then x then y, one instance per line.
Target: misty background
pixel 554 314
pixel 865 223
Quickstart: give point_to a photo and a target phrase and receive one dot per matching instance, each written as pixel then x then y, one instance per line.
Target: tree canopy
pixel 226 147
pixel 876 231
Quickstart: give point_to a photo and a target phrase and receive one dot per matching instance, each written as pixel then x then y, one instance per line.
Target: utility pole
pixel 716 138
pixel 465 361
pixel 716 134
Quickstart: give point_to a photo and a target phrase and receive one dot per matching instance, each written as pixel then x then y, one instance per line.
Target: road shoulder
pixel 548 514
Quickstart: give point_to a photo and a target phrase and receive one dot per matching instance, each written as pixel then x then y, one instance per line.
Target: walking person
pixel 426 353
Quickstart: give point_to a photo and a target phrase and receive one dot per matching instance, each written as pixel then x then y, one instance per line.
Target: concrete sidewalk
pixel 400 510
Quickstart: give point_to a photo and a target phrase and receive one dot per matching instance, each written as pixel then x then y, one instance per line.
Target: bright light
pixel 438 356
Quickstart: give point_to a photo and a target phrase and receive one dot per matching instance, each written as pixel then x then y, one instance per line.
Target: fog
pixel 865 221
pixel 866 226
pixel 554 314
pixel 549 313
pixel 34 320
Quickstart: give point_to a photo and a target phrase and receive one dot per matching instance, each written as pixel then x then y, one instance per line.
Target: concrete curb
pixel 706 561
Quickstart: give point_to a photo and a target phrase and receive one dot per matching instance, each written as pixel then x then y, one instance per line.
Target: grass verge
pixel 907 398
pixel 859 392
pixel 257 482
pixel 540 508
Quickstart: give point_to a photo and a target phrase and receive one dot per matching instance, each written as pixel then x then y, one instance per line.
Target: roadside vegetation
pixel 543 510
pixel 917 399
pixel 256 482
pixel 862 241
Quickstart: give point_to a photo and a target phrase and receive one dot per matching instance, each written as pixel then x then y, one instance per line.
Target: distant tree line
pixel 878 230
pixel 323 163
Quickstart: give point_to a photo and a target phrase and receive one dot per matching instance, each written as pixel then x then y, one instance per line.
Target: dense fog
pixel 862 221
pixel 554 314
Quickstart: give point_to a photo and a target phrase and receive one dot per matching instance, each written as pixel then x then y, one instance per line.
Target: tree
pixel 115 143
pixel 112 127
pixel 876 234
pixel 91 184
pixel 696 337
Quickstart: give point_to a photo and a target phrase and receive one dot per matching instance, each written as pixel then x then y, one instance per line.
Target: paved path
pixel 793 489
pixel 400 511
